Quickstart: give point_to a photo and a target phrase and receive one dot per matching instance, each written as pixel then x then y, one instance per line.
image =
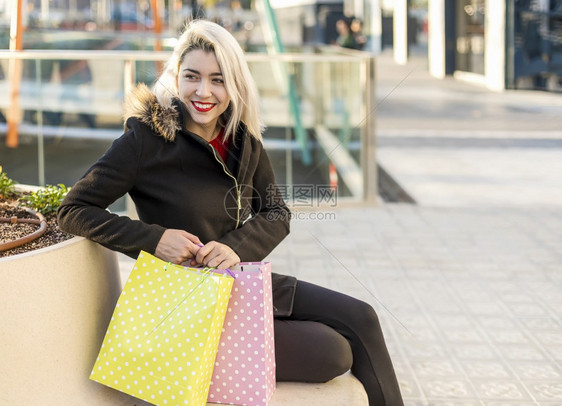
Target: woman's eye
pixel 218 81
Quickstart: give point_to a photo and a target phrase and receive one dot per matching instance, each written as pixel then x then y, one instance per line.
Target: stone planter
pixel 55 305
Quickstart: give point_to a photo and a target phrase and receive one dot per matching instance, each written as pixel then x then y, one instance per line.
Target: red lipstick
pixel 202 107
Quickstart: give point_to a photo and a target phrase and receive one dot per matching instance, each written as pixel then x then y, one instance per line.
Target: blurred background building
pixel 512 44
pixel 316 94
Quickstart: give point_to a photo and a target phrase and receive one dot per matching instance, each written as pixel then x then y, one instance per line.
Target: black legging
pixel 329 333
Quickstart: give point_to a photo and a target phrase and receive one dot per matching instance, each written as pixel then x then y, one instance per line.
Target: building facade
pixel 500 44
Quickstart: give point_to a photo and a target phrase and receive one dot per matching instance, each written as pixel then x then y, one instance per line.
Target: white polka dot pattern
pixel 245 365
pixel 161 343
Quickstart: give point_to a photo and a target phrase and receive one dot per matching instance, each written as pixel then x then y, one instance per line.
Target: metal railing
pixel 79 94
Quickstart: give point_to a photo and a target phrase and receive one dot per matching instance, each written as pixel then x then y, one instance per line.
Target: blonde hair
pixel 238 81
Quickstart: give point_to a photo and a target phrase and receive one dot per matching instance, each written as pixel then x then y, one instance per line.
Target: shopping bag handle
pixel 204 271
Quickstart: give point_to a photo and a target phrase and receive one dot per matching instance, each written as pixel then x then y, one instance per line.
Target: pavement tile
pixel 486 369
pixel 500 389
pixel 537 371
pixel 447 388
pixel 546 390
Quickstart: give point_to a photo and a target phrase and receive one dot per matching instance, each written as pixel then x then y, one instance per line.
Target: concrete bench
pixel 344 390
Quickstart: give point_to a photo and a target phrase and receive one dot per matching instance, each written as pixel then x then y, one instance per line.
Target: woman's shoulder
pixel 244 136
pixel 144 114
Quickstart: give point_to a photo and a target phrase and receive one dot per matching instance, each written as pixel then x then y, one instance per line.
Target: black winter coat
pixel 177 180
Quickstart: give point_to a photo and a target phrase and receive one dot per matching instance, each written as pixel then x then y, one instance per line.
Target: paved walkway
pixel 450 143
pixel 468 282
pixel 470 298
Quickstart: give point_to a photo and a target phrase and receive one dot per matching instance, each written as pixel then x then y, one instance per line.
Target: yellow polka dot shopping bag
pixel 162 340
pixel 244 371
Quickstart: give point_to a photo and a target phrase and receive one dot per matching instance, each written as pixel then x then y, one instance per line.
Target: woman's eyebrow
pixel 198 73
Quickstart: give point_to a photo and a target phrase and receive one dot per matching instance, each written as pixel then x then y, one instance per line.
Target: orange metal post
pixel 15 72
pixel 157 30
pixel 157 24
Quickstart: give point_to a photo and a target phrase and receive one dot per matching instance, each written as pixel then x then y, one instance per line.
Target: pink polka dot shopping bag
pixel 244 371
pixel 162 339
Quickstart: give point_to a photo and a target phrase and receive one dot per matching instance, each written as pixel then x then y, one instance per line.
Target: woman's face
pixel 201 87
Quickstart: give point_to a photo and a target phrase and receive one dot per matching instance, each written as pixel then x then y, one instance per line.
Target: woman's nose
pixel 203 89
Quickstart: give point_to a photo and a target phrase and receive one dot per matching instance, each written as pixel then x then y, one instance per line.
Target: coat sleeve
pixel 84 210
pixel 269 224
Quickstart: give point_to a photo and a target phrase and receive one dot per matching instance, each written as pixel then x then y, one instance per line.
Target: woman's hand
pixel 216 255
pixel 177 246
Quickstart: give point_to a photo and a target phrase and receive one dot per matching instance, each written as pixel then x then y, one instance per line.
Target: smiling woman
pixel 193 162
pixel 201 88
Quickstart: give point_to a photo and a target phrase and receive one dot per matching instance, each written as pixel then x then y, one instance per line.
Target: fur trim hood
pixel 141 103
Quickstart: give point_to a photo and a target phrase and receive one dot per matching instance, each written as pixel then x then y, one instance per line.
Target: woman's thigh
pixel 308 351
pixel 313 344
pixel 342 312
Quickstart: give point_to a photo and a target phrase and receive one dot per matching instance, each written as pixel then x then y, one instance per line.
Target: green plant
pixel 45 200
pixel 7 186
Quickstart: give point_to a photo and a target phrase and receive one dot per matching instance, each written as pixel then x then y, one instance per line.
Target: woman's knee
pixel 362 317
pixel 365 314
